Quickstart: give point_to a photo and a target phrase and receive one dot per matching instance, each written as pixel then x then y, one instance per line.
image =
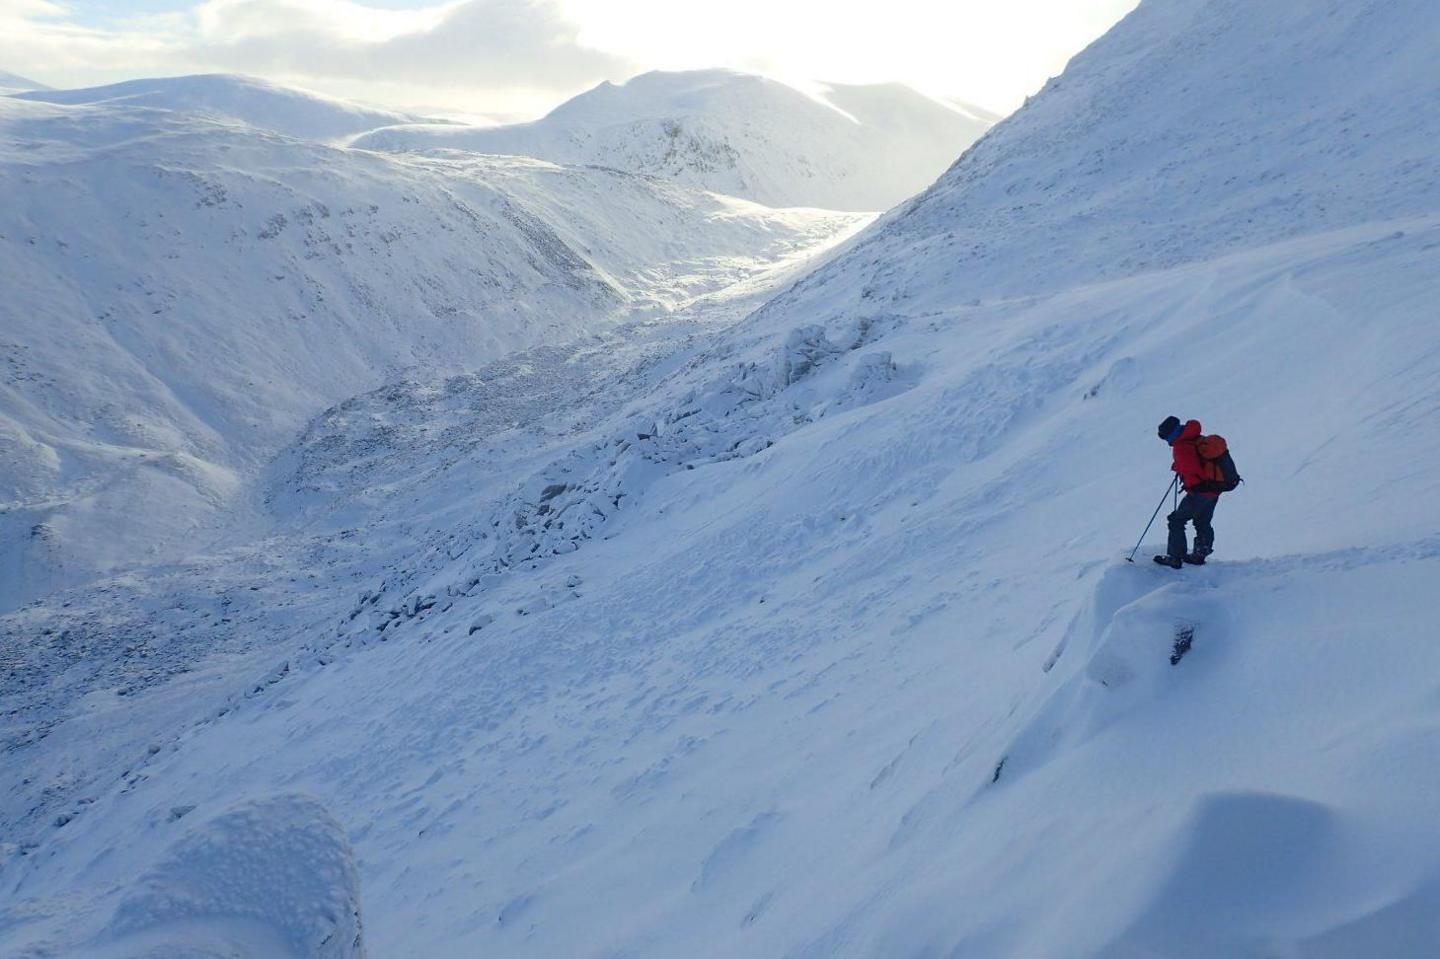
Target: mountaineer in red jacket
pixel 1198 477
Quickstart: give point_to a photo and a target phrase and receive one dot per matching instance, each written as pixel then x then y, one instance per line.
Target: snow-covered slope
pixel 259 103
pixel 813 636
pixel 1139 156
pixel 14 83
pixel 847 148
pixel 761 664
pixel 222 286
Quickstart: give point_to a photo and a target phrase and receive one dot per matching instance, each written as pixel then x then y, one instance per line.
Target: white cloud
pixel 233 21
pixel 481 43
pixel 988 51
pixel 510 53
pixel 520 55
pixel 39 39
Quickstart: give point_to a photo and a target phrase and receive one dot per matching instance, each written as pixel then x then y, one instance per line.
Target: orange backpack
pixel 1216 465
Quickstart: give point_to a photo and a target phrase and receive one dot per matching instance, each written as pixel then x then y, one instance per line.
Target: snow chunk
pixel 268 875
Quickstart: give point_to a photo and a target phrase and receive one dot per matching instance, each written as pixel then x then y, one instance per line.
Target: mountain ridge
pixel 14 83
pixel 735 133
pixel 993 222
pixel 252 100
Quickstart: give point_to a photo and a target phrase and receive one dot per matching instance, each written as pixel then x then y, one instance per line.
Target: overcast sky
pixel 519 57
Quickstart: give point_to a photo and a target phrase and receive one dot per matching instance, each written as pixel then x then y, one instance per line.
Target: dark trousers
pixel 1196 509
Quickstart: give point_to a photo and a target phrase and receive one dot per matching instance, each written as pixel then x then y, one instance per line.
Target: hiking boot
pixel 1195 559
pixel 1174 562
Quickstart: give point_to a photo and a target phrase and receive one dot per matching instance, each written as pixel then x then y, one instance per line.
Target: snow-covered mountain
pixel 224 285
pixel 14 83
pixel 813 635
pixel 845 148
pixel 970 109
pixel 259 103
pixel 1081 189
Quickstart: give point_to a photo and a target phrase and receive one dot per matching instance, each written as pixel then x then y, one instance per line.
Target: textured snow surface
pixel 806 630
pixel 271 877
pixel 224 96
pixel 846 148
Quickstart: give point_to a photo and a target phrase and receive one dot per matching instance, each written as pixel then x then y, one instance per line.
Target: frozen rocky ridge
pixel 843 147
pixel 854 666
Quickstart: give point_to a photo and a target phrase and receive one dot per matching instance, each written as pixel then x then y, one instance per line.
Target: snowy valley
pixel 617 568
pixel 224 284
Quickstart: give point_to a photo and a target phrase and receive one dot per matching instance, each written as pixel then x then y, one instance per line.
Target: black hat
pixel 1169 427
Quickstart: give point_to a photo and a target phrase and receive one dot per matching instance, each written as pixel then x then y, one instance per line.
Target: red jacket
pixel 1186 458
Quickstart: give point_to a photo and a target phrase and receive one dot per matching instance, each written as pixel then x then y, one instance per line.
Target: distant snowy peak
pixel 893 112
pixel 878 103
pixel 844 148
pixel 256 102
pixel 662 94
pixel 15 83
pixel 971 110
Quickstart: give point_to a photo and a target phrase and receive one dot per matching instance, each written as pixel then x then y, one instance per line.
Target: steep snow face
pixel 853 148
pixel 14 83
pixel 1190 130
pixel 224 285
pixel 250 100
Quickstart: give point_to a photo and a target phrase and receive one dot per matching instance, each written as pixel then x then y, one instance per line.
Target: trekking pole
pixel 1131 557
